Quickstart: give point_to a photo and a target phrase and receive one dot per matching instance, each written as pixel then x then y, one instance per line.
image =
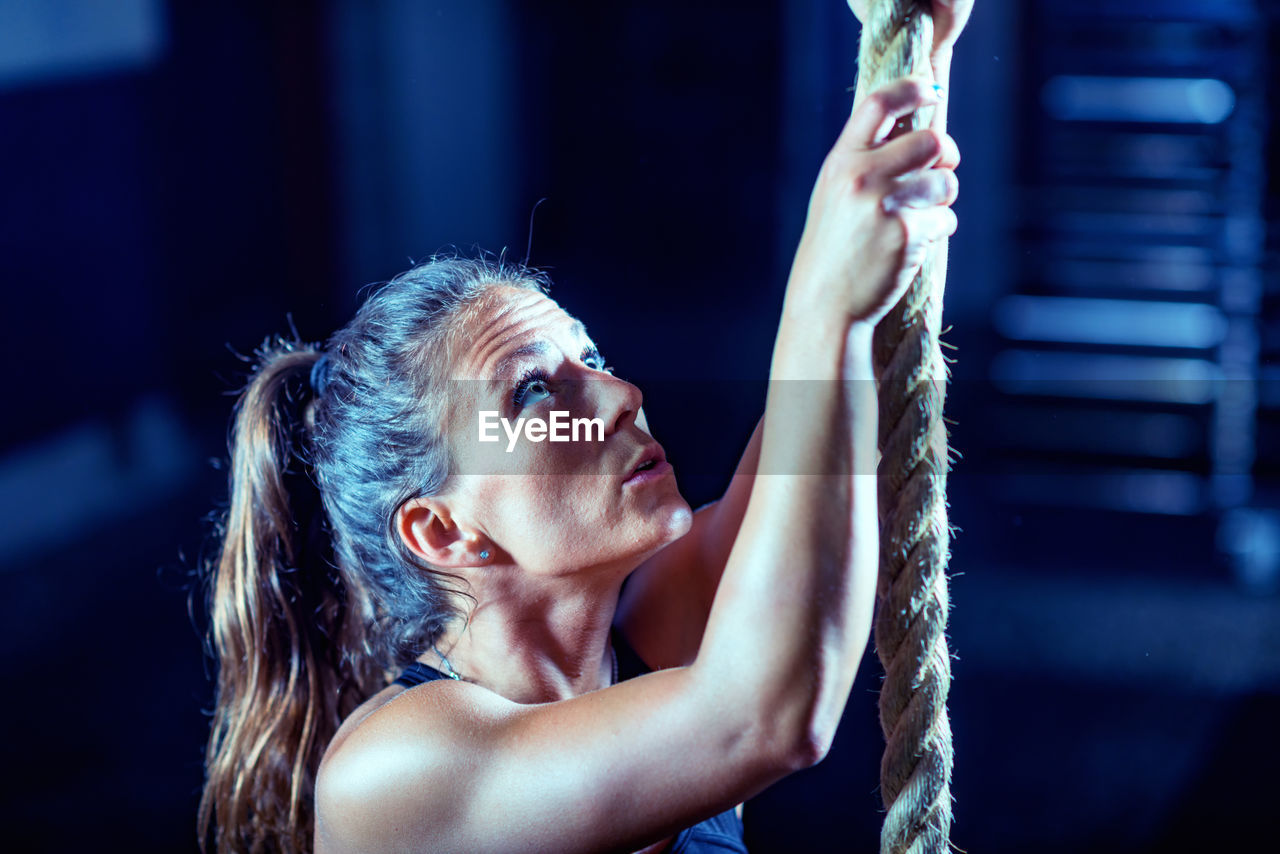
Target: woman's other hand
pixel 949 18
pixel 875 208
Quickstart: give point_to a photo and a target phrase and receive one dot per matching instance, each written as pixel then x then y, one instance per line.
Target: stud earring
pixel 484 555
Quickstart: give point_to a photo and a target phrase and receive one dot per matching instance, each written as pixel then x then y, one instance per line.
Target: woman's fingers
pixel 926 189
pixel 921 229
pixel 871 121
pixel 879 203
pixel 925 225
pixel 920 149
pixel 950 158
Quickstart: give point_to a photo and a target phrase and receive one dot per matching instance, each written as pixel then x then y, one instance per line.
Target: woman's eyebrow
pixel 506 366
pixel 509 362
pixel 580 330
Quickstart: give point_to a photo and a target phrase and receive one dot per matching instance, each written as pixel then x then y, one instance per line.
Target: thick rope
pixel 911 596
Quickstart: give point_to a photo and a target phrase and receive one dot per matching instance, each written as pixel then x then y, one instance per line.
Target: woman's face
pixel 552 506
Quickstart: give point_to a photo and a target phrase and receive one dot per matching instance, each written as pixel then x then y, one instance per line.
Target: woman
pixel 420 651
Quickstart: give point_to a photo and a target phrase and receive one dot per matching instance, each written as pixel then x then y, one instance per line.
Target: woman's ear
pixel 429 530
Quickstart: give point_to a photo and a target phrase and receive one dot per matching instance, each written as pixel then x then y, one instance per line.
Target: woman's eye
pixel 534 382
pixel 595 361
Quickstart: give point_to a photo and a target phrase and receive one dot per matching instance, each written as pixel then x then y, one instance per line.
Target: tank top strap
pixel 630 665
pixel 416 674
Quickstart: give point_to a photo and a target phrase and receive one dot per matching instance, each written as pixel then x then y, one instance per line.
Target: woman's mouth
pixel 649 471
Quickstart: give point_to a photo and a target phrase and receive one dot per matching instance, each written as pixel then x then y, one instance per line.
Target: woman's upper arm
pixel 665 603
pixel 452 767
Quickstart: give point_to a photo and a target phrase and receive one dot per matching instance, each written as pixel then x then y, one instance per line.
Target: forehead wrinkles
pixel 454 347
pixel 472 322
pixel 509 323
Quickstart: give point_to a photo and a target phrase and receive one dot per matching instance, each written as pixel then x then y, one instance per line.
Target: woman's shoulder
pixel 376 776
pixel 405 720
pixel 352 723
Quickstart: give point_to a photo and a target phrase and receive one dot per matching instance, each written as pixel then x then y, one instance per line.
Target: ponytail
pixel 284 625
pixel 314 602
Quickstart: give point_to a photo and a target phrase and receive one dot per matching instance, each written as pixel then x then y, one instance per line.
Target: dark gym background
pixel 179 178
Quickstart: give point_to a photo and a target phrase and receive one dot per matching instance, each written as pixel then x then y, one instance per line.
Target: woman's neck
pixel 533 641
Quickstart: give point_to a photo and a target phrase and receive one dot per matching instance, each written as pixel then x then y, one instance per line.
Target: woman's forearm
pixel 793 611
pixel 792 614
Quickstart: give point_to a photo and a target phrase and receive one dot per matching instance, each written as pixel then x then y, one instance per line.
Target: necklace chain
pixel 453 674
pixel 448 668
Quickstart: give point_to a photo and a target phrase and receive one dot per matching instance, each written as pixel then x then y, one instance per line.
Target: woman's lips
pixel 659 470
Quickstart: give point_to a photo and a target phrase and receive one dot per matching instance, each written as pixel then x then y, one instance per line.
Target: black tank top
pixel 720 834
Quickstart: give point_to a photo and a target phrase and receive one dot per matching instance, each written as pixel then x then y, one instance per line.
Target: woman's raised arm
pixel 667 600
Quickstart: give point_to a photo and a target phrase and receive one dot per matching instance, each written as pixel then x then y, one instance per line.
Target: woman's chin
pixel 662 527
pixel 672 521
pixel 681 520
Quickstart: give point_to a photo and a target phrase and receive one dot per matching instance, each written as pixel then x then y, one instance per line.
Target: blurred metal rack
pixel 1129 369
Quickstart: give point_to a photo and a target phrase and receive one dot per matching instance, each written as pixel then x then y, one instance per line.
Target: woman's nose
pixel 617 401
